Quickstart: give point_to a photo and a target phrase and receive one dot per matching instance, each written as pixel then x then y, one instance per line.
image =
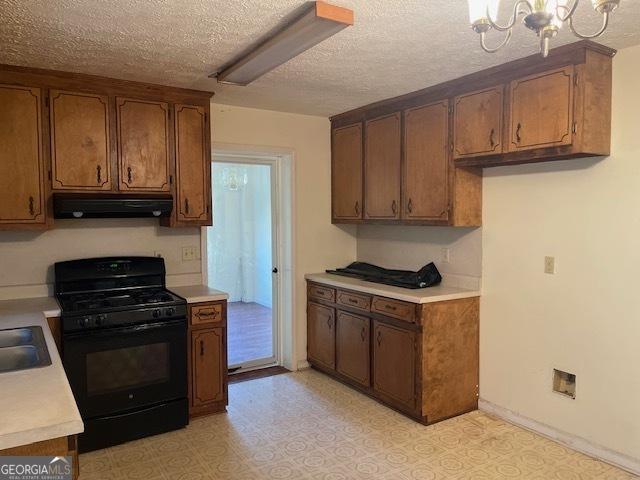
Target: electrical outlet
pixel 446 255
pixel 189 253
pixel 550 265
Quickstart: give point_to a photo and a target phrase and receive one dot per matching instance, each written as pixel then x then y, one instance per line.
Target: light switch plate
pixel 550 265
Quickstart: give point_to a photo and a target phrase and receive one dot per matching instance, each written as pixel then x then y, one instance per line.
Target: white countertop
pixel 35 404
pixel 438 293
pixel 199 293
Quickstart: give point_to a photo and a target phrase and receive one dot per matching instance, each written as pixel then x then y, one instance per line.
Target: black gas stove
pixel 124 348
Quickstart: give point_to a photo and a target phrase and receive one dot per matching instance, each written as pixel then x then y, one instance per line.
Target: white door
pixel 242 257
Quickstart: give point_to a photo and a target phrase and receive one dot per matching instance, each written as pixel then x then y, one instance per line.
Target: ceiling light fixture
pixel 317 23
pixel 545 17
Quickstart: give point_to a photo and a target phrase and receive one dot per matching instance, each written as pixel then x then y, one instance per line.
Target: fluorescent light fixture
pixel 316 24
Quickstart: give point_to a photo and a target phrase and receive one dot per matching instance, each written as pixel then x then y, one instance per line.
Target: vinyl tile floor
pixel 306 426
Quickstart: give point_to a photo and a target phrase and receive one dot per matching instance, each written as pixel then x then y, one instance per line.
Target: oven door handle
pixel 129 413
pixel 126 330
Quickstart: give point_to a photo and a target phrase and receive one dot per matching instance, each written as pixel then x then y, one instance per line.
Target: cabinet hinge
pixel 170 179
pixel 574 129
pixel 205 117
pixel 451 146
pixel 575 80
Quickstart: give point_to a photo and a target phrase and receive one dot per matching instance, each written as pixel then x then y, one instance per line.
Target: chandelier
pixel 545 17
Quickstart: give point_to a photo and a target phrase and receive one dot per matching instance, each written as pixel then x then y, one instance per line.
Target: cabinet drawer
pixel 354 300
pixel 394 308
pixel 323 293
pixel 206 313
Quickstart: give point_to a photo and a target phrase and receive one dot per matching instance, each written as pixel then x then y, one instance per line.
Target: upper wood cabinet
pixel 22 171
pixel 382 159
pixel 143 145
pixel 193 164
pixel 425 176
pixel 80 158
pixel 477 123
pixel 541 110
pixel 346 172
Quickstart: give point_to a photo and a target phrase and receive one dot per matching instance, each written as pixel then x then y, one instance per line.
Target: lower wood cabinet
pixel 424 365
pixel 321 337
pixel 208 351
pixel 353 347
pixel 55 447
pixel 394 357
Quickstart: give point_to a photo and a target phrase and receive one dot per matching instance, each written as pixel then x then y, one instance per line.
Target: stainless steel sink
pixel 23 348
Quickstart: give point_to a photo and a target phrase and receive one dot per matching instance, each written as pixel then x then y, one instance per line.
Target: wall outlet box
pixel 550 265
pixel 189 254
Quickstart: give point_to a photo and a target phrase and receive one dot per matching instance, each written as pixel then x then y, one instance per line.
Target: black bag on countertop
pixel 427 276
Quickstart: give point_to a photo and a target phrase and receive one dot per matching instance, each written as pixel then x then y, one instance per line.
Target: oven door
pixel 120 369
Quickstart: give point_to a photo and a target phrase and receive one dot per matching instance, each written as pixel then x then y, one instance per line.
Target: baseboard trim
pixel 574 442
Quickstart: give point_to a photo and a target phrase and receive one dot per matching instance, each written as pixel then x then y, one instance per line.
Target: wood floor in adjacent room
pixel 306 426
pixel 250 332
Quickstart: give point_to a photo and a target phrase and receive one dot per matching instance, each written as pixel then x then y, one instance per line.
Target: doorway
pixel 242 257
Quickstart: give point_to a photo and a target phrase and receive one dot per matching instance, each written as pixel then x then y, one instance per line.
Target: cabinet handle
pixel 390 307
pixel 99 174
pixel 329 323
pixel 353 300
pixel 362 333
pixel 186 205
pixel 357 208
pixel 410 206
pixel 394 207
pixel 518 128
pixel 31 207
pixel 129 175
pixel 212 313
pixel 491 139
pixel 201 348
pixel 379 337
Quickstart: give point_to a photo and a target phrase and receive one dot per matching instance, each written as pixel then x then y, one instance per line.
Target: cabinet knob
pixel 129 174
pixel 410 206
pixel 201 348
pixel 362 334
pixel 379 337
pixel 186 205
pixel 31 207
pixel 329 323
pixel 492 141
pixel 394 207
pixel 357 208
pixel 99 174
pixel 518 137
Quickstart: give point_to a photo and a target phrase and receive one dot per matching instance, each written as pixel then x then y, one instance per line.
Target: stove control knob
pixel 101 319
pixel 170 311
pixel 156 313
pixel 85 322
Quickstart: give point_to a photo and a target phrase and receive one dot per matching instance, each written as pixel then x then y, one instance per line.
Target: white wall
pixel 27 258
pixel 411 247
pixel 317 243
pixel 586 318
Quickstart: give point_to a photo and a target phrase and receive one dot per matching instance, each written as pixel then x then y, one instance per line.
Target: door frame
pixel 281 162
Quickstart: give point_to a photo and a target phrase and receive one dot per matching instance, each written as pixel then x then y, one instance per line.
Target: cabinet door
pixel 352 347
pixel 394 356
pixel 477 124
pixel 541 110
pixel 22 197
pixel 208 365
pixel 382 168
pixel 192 165
pixel 426 163
pixel 346 172
pixel 80 141
pixel 321 336
pixel 143 145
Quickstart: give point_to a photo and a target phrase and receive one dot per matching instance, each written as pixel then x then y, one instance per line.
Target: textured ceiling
pixel 395 46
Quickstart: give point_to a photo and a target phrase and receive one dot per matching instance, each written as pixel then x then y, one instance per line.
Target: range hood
pixel 111 206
